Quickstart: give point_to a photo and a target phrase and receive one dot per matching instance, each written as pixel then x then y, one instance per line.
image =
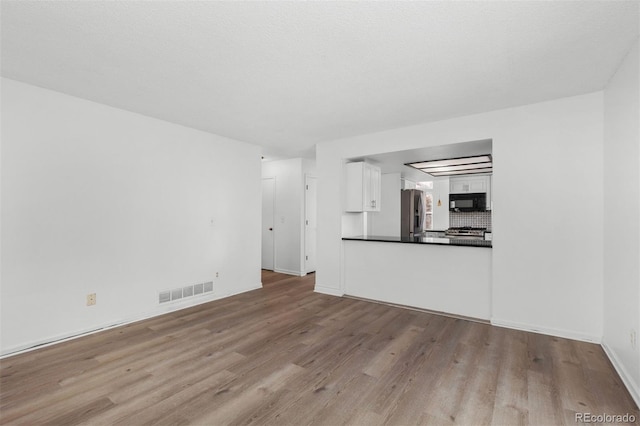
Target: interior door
pixel 310 228
pixel 268 213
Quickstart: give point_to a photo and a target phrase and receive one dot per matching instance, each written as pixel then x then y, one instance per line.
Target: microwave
pixel 472 202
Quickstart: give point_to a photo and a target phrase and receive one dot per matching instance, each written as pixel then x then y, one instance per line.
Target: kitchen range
pixel 466 232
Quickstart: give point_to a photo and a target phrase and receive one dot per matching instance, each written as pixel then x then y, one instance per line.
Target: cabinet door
pixel 376 184
pixel 367 193
pixel 478 185
pixel 458 186
pixel 363 187
pixel 469 184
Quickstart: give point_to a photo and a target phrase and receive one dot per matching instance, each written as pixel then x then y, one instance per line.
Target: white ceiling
pixel 286 75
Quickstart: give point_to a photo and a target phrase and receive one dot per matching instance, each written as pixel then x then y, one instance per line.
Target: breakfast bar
pixel 423 240
pixel 421 273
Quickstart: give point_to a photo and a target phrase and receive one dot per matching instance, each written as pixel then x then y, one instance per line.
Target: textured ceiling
pixel 286 75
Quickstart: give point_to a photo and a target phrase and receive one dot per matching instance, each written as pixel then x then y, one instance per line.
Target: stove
pixel 465 232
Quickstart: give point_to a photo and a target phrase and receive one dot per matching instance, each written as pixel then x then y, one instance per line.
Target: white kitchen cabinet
pixel 363 187
pixel 471 184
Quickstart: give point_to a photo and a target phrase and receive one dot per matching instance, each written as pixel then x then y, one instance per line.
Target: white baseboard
pixel 65 337
pixel 243 290
pixel 328 290
pixel 288 272
pixel 629 382
pixel 567 334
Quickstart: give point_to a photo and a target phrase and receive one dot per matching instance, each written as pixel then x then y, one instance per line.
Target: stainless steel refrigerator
pixel 412 211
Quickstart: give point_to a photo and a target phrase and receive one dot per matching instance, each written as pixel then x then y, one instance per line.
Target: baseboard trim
pixel 288 272
pixel 328 290
pixel 61 338
pixel 631 385
pixel 425 310
pixel 567 334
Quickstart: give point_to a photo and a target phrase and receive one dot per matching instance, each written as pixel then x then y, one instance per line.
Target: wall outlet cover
pixel 91 299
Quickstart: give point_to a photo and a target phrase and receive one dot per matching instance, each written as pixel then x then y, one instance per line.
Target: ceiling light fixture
pixel 432 170
pixel 455 166
pixel 462 172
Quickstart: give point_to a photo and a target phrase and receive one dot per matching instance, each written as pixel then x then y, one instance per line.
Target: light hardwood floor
pixel 288 356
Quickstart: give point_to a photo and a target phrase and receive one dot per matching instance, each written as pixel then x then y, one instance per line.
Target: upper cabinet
pixel 471 184
pixel 363 187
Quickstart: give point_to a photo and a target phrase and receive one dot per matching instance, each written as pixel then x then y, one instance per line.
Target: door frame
pixel 273 248
pixel 304 270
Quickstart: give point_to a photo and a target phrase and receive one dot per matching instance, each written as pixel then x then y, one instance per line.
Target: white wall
pixel 309 166
pixel 97 199
pixel 289 214
pixel 441 213
pixel 622 219
pixel 547 272
pixel 421 276
pixel 387 221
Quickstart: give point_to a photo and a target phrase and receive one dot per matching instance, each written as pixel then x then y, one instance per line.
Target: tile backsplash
pixel 472 219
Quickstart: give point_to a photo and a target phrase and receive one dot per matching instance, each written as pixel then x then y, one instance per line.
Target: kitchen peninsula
pixel 419 234
pixel 423 240
pixel 420 272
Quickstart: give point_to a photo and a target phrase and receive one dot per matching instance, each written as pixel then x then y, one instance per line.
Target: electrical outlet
pixel 91 299
pixel 633 339
pixel 217 274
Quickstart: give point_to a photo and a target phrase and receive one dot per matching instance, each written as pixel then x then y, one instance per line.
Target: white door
pixel 268 213
pixel 310 228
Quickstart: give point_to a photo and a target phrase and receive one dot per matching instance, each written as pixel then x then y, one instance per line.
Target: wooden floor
pixel 286 355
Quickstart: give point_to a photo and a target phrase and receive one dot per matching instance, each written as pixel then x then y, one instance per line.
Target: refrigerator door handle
pixel 420 211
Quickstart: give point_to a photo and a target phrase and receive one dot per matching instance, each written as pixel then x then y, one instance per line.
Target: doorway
pixel 268 214
pixel 310 223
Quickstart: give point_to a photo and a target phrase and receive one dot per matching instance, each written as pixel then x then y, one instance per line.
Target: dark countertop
pixel 423 240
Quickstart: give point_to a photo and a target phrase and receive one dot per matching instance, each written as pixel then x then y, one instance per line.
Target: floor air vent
pixel 184 292
pixel 165 296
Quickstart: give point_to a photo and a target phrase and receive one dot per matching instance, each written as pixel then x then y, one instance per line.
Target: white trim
pixel 631 385
pixel 288 272
pixel 303 258
pixel 328 290
pixel 60 338
pixel 567 334
pixel 273 249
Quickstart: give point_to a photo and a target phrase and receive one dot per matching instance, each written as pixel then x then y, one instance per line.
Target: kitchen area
pixel 406 209
pixel 540 261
